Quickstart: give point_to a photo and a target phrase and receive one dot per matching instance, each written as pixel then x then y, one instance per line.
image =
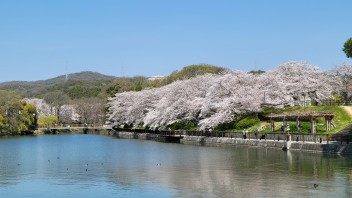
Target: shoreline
pixel 324 147
pixel 331 147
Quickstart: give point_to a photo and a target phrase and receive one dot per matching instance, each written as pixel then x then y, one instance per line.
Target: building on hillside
pixel 152 78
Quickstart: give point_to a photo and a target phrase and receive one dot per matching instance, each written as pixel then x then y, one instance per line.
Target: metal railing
pixel 59 126
pixel 251 135
pixel 336 103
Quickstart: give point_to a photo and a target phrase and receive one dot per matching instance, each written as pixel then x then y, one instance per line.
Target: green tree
pixel 114 88
pixel 256 72
pixel 347 48
pixel 1 122
pixel 192 71
pixel 28 117
pixel 10 108
pixel 47 120
pixel 16 117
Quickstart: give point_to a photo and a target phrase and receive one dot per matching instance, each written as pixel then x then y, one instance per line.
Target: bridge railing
pixel 58 126
pixel 250 135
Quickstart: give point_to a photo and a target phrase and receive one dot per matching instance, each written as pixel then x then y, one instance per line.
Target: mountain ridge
pixel 94 84
pixel 57 79
pixel 85 79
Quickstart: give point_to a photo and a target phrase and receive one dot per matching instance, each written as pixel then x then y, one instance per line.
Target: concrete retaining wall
pixel 332 147
pixel 132 135
pixel 219 141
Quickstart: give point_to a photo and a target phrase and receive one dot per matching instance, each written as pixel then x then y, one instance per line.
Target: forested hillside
pixel 81 97
pixel 93 84
pixel 77 85
pixel 139 83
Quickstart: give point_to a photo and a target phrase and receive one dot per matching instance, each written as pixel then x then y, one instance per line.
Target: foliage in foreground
pixel 46 121
pixel 16 117
pixel 347 48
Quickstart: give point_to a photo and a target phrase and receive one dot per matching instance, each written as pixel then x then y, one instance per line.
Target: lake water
pixel 100 166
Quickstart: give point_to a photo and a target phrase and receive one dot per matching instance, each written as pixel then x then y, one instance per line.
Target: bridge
pixel 76 127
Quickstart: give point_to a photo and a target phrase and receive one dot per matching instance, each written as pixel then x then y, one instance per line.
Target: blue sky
pixel 40 38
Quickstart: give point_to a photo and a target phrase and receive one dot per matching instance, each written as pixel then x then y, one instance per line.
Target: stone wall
pixel 219 141
pixel 132 135
pixel 332 147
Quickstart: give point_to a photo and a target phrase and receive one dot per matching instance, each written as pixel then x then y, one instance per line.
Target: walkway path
pixel 348 109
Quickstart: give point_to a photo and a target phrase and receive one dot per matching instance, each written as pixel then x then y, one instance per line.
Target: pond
pixel 102 166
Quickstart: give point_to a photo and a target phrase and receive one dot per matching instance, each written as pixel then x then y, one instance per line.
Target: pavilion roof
pixel 310 114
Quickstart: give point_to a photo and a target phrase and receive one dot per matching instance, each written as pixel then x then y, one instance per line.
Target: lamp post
pixel 304 103
pixel 35 123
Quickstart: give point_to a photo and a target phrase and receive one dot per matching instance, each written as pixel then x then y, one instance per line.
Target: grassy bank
pixel 341 118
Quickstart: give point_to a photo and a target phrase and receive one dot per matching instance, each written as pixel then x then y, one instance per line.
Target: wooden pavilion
pixel 298 116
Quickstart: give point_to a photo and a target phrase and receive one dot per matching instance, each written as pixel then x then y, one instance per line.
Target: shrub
pixel 182 125
pixel 225 126
pixel 47 120
pixel 246 122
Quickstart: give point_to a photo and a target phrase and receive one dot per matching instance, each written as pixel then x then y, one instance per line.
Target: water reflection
pixel 150 169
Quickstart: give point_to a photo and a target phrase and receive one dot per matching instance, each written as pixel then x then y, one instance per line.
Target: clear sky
pixel 39 38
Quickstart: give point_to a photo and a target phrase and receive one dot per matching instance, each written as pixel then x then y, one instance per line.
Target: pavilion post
pixel 328 120
pixel 272 125
pixel 313 123
pixel 298 123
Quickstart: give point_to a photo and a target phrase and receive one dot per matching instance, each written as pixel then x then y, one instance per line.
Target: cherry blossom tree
pixel 89 110
pixel 213 99
pixel 42 107
pixel 67 112
pixel 342 76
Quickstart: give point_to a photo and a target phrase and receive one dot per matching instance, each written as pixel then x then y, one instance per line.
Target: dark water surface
pixel 100 166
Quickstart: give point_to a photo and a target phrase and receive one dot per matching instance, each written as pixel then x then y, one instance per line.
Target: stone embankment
pixel 132 135
pixel 324 147
pixel 331 147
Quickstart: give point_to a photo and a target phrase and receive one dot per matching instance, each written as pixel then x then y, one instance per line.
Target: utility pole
pixel 66 73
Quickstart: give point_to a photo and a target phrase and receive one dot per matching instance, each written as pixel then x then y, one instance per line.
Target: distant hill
pixel 138 83
pixel 93 84
pixel 82 84
pixel 81 76
pixel 192 71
